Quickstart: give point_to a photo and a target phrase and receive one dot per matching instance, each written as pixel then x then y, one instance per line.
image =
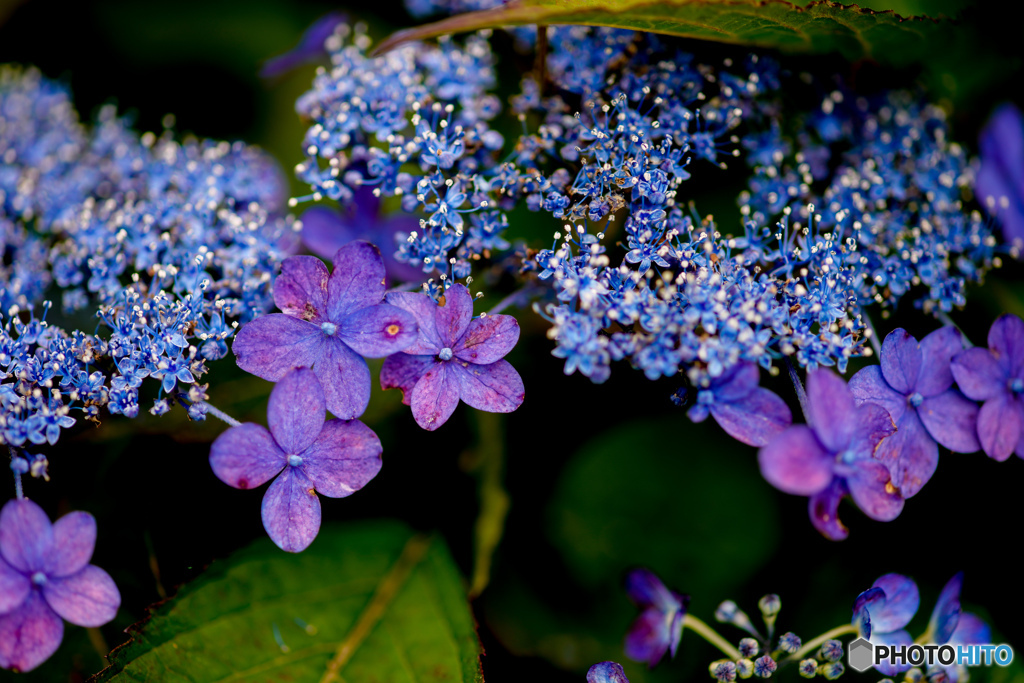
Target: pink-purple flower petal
pixel 937 351
pixel 422 308
pixel 291 511
pixel 495 388
pixel 14 587
pixel 378 331
pixel 951 420
pixel 823 510
pixel 911 455
pixel 900 360
pixel 737 382
pixel 999 426
pixel 343 459
pixel 273 344
pixel 899 606
pixel 300 291
pixel 435 397
pixel 26 535
pixel 487 339
pixel 873 424
pixel 402 371
pixel 893 638
pixel 755 418
pixel 246 456
pixel 946 614
pixel 452 319
pixel 324 231
pixel 1006 341
pixel 345 378
pixel 978 374
pixel 645 589
pixel 795 462
pixel 648 638
pixel 358 280
pixel 1000 181
pixel 74 539
pixel 87 598
pixel 872 490
pixel 830 409
pixel 296 410
pixel 869 386
pixel 29 635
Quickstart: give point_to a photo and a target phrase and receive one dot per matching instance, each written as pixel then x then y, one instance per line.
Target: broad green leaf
pixel 817 27
pixel 366 602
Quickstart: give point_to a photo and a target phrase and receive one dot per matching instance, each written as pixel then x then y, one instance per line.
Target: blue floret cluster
pixel 860 202
pixel 168 243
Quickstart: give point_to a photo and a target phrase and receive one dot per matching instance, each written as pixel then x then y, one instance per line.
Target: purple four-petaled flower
pixel 746 411
pixel 915 384
pixel 455 357
pixel 659 628
pixel 45 576
pixel 833 455
pixel 325 230
pixel 328 323
pixel 996 376
pixel 306 454
pixel 881 613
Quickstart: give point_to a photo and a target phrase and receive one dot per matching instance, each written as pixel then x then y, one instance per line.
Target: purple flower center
pixel 294 460
pixel 1016 385
pixel 329 329
pixel 916 399
pixel 39 578
pixel 446 354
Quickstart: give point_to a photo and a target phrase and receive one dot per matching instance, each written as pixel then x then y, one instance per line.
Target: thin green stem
pixel 812 645
pixel 711 635
pixel 801 395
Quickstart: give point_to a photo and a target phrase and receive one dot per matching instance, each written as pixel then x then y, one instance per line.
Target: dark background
pixel 601 477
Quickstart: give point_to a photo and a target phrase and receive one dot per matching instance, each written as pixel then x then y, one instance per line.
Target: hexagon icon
pixel 861 654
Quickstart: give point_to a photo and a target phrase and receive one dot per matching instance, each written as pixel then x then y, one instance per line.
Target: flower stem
pixel 18 492
pixel 220 414
pixel 801 395
pixel 513 298
pixel 875 343
pixel 711 635
pixel 812 645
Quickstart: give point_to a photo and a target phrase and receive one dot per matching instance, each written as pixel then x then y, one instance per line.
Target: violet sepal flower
pixel 882 612
pixel 455 357
pixel 1000 182
pixel 307 455
pixel 996 376
pixel 325 230
pixel 45 576
pixel 915 384
pixel 659 628
pixel 328 323
pixel 833 456
pixel 310 48
pixel 746 411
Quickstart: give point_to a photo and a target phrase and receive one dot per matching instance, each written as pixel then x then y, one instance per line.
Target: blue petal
pixel 947 610
pixel 900 604
pixel 310 47
pixel 862 609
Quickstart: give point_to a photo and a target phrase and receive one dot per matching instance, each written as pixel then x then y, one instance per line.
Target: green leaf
pixel 817 27
pixel 366 602
pixel 678 498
